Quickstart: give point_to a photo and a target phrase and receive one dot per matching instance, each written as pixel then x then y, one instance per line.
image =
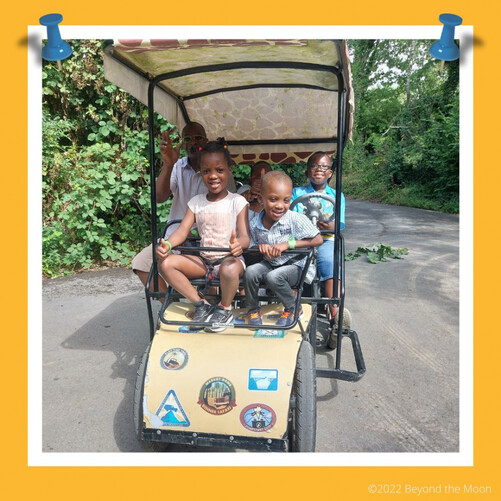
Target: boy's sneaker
pixel 287 317
pixel 202 311
pixel 220 319
pixel 255 317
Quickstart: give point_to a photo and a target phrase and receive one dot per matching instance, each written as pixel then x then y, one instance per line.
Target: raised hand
pixel 235 247
pixel 163 250
pixel 170 154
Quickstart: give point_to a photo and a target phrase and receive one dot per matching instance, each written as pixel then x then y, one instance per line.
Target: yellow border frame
pixel 282 482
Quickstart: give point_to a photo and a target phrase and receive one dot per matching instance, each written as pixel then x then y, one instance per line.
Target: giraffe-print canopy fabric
pixel 273 100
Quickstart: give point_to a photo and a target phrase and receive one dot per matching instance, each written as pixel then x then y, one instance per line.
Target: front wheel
pixel 303 426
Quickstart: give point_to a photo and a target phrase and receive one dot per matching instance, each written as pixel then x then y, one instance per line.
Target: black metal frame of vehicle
pixel 154 81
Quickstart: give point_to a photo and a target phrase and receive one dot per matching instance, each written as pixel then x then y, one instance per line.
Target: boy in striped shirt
pixel 274 231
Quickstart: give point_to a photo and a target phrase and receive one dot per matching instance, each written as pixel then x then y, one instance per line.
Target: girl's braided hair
pixel 218 146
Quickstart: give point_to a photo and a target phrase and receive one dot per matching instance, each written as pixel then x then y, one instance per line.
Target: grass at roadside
pixel 373 187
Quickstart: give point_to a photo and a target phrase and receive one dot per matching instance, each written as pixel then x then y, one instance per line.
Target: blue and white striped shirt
pixel 291 224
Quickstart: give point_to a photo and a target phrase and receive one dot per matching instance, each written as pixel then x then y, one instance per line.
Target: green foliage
pixel 241 174
pixel 95 158
pixel 297 172
pixel 405 146
pixel 95 167
pixel 377 253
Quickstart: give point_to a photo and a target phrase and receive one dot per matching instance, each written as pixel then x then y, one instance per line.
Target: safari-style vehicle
pixel 273 100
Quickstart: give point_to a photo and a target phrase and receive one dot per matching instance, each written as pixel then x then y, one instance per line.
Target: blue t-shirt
pixel 327 207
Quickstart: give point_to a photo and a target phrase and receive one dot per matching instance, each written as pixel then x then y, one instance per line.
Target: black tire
pixel 313 325
pixel 303 426
pixel 147 445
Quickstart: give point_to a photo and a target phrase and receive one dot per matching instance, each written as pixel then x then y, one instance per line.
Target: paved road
pixel 406 313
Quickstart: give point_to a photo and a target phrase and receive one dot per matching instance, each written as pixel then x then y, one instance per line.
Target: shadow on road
pixel 121 329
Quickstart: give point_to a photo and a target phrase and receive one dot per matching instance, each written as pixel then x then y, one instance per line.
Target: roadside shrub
pixel 95 167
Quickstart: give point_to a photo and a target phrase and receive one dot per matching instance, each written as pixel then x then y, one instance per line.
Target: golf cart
pixel 273 100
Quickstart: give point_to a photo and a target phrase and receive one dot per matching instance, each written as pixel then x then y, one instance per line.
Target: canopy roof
pixel 274 100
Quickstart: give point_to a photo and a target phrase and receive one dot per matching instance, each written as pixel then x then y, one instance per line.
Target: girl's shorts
pixel 215 271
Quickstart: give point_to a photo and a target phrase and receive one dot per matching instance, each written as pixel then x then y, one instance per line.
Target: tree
pixel 406 134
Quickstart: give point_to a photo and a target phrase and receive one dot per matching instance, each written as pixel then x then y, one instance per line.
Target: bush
pixel 95 168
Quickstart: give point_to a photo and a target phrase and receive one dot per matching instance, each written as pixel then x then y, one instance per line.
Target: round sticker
pixel 258 417
pixel 174 359
pixel 217 396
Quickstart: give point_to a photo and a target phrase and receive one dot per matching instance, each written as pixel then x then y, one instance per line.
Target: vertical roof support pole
pixel 153 195
pixel 337 227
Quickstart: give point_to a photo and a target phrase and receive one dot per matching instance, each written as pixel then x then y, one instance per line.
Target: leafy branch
pixel 377 253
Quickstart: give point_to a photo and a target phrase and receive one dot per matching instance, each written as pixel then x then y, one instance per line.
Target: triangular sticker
pixel 171 412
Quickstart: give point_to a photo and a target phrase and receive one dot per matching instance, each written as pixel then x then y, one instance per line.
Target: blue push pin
pixel 445 49
pixel 55 49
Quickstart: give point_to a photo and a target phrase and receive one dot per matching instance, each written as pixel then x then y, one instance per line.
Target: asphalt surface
pixel 406 314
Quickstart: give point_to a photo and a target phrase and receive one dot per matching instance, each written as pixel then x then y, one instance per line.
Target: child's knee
pixel 229 268
pixel 169 263
pixel 271 279
pixel 162 266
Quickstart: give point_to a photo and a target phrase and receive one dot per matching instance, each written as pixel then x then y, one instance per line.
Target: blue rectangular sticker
pixel 263 379
pixel 269 333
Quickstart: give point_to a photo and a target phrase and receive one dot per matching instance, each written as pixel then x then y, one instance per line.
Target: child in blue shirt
pixel 319 171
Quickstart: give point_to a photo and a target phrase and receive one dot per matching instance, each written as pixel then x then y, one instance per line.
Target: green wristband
pixel 292 243
pixel 169 244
